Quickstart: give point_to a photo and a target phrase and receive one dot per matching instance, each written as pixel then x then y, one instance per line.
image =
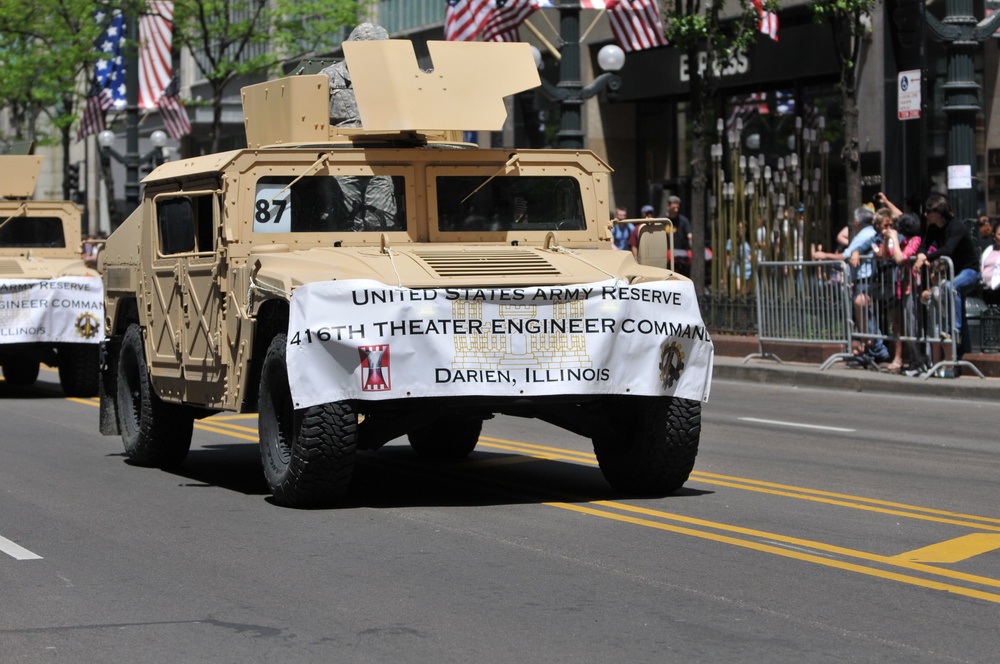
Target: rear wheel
pixel 654 446
pixel 154 433
pixel 78 369
pixel 447 439
pixel 20 371
pixel 308 454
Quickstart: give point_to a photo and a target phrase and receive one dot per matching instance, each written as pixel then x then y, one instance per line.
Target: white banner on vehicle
pixel 360 339
pixel 63 310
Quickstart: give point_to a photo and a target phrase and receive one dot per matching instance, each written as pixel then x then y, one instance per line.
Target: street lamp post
pixel 132 160
pixel 570 92
pixel 962 36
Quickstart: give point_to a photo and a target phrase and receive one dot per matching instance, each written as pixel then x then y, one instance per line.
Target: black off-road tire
pixel 308 454
pixel 653 450
pixel 155 434
pixel 20 371
pixel 447 439
pixel 79 373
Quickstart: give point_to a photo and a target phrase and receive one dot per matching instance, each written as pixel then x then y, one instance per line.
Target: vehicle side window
pixel 186 224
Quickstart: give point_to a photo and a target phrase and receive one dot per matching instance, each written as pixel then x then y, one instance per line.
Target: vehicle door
pixel 189 297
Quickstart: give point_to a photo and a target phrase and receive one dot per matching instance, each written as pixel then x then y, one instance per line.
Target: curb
pixel 855 380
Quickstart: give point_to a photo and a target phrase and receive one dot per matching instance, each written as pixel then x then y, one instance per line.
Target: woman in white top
pixel 989 268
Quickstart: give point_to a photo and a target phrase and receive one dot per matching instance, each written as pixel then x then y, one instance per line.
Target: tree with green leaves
pixel 234 38
pixel 850 21
pixel 46 47
pixel 719 30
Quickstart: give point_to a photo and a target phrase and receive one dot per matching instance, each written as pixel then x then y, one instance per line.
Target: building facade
pixel 772 91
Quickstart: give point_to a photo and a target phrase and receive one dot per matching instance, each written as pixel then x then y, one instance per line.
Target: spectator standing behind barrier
pixel 861 275
pixel 951 239
pixel 620 232
pixel 985 236
pixel 767 242
pixel 633 238
pixel 741 265
pixel 682 236
pixel 901 242
pixel 989 266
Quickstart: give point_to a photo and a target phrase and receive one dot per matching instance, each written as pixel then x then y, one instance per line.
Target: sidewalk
pixel 804 372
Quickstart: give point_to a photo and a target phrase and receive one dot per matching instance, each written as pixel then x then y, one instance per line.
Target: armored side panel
pixel 289 111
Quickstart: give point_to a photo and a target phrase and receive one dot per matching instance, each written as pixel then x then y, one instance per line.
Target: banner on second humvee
pixel 63 310
pixel 360 339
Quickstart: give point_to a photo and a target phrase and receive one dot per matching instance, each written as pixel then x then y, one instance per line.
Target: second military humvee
pixel 51 303
pixel 357 284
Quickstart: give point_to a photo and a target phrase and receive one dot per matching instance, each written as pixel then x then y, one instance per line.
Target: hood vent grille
pixel 11 266
pixel 487 263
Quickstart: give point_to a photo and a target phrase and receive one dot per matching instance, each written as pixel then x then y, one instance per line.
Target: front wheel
pixel 653 445
pixel 155 433
pixel 308 454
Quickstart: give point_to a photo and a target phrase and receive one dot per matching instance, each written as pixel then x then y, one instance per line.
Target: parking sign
pixel 908 93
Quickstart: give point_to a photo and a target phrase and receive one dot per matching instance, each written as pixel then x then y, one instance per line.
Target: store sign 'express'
pixel 738 64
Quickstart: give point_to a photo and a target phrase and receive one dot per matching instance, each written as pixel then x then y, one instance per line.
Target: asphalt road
pixel 819 526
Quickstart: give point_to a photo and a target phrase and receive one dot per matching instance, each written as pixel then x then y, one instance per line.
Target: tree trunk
pixel 851 152
pixel 217 116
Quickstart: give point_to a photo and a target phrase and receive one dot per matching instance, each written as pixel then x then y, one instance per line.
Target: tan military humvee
pixel 216 286
pixel 50 301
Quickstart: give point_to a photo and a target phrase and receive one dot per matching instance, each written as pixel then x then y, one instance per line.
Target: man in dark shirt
pixel 951 239
pixel 682 236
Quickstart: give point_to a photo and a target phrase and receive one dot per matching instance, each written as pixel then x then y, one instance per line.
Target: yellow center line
pixel 227 431
pixel 797 555
pixel 895 561
pixel 703 476
pixel 865 508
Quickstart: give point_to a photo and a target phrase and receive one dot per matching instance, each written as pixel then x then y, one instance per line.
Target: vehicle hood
pixel 450 266
pixel 41 267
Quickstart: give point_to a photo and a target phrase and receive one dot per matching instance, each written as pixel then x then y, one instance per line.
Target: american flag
pixel 92 120
pixel 155 63
pixel 110 69
pixel 768 22
pixel 493 20
pixel 175 118
pixel 636 24
pixel 503 23
pixel 584 4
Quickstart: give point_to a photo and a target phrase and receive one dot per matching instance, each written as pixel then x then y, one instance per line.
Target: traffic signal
pixel 73 179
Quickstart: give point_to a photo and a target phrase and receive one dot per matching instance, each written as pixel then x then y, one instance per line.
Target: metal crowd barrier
pixel 828 302
pixel 802 302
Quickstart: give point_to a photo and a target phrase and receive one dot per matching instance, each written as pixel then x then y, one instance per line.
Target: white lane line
pixel 795 424
pixel 16 551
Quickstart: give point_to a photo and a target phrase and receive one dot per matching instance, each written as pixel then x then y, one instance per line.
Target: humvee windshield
pixel 529 203
pixel 322 203
pixel 20 232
